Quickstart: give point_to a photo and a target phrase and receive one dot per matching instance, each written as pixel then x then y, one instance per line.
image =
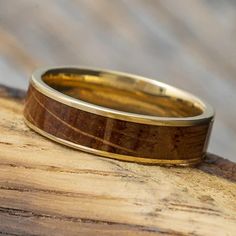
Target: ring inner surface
pixel 122 93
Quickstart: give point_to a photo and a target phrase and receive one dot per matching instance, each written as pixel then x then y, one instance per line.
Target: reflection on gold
pixel 118 95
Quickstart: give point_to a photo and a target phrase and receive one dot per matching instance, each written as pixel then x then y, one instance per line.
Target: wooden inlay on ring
pixel 118 115
pixel 116 136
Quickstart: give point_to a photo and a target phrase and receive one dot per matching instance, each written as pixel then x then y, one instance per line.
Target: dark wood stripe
pixel 119 174
pixel 194 211
pixel 171 206
pixel 113 135
pixel 38 215
pixel 26 189
pixel 16 234
pixel 181 205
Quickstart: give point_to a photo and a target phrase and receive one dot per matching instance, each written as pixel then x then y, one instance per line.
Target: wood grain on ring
pixel 113 135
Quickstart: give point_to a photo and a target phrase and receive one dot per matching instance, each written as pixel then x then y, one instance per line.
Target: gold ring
pixel 118 115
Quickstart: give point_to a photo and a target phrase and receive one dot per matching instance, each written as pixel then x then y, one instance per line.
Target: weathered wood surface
pixel 187 43
pixel 48 189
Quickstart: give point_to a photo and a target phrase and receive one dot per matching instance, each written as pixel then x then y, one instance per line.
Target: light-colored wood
pixel 187 43
pixel 48 189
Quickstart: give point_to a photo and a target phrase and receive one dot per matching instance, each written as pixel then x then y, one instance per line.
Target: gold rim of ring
pixel 206 116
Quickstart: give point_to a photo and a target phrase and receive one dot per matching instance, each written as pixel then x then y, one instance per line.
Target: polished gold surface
pixel 122 96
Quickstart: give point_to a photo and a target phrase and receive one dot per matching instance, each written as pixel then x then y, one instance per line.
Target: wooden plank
pixel 187 43
pixel 49 189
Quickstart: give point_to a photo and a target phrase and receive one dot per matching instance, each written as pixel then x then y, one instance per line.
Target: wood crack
pixel 74 171
pixel 30 214
pixel 59 193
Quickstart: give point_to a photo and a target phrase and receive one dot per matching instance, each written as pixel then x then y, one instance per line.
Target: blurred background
pixel 190 44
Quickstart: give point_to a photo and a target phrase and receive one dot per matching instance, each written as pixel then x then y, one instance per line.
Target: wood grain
pixel 48 189
pixel 189 44
pixel 150 143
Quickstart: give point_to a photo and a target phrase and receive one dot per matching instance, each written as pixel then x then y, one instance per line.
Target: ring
pixel 118 115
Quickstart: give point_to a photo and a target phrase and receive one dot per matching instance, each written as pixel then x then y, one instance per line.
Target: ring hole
pixel 120 92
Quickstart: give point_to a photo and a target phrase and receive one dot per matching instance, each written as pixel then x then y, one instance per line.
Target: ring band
pixel 118 115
